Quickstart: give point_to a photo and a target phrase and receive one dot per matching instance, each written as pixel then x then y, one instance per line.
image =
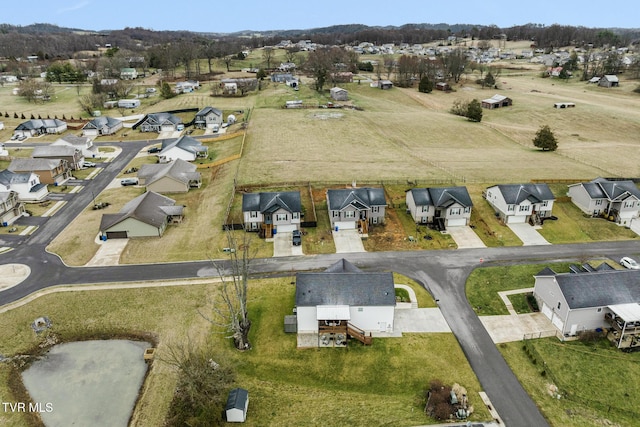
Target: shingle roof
pixel 207 110
pixel 603 188
pixel 178 169
pixel 441 197
pixel 54 151
pixel 361 198
pixel 7 178
pixel 600 289
pixel 40 123
pixel 269 202
pixel 30 164
pixel 514 194
pixel 146 208
pixel 495 99
pixel 101 121
pixel 237 399
pixel 341 285
pixel 158 119
pixel 185 143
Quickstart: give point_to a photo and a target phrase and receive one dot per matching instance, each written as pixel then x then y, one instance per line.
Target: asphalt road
pixel 442 272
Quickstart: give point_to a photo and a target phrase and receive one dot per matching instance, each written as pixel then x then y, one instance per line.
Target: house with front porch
pixel 177 176
pixel 271 212
pixel 207 118
pixel 36 127
pixel 594 299
pixel 11 208
pixel 50 171
pixel 343 302
pixel 68 153
pixel 356 208
pixel 521 203
pixel 184 148
pixel 158 122
pixel 26 185
pixel 615 200
pixel 103 125
pixel 448 206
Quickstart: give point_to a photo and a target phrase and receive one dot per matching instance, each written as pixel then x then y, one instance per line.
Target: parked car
pixel 14 137
pixel 297 238
pixel 154 150
pixel 22 137
pixel 629 263
pixel 129 181
pixel 88 165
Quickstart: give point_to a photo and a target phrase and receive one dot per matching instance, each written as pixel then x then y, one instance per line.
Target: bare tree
pixel 267 56
pixel 229 306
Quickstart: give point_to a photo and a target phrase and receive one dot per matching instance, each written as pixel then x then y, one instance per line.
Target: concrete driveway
pixel 108 253
pixel 283 246
pixel 528 234
pixel 419 320
pixel 509 328
pixel 347 241
pixel 465 237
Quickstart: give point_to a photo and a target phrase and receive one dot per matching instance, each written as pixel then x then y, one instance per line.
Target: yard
pixel 287 386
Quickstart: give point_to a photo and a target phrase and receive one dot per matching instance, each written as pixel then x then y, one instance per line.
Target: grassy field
pixel 288 386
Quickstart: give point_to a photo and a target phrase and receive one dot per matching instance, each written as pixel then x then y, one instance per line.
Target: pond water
pixel 88 383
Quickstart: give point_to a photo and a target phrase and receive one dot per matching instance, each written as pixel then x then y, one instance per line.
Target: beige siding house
pixel 177 176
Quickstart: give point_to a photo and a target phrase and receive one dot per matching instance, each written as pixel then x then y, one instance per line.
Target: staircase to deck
pixel 359 334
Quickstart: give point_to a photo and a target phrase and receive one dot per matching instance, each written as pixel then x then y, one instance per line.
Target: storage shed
pixel 237 404
pixel 339 94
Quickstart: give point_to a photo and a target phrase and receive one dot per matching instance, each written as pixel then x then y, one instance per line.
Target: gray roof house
pixel 185 148
pixel 10 208
pixel 207 118
pixel 616 200
pixel 49 171
pixel 177 176
pixel 82 143
pixel 36 127
pixel 237 405
pixel 450 206
pixel 26 184
pixel 592 299
pixel 356 208
pixel 343 301
pixel 102 125
pixel 158 122
pixel 521 203
pixel 145 216
pixel 71 154
pixel 270 212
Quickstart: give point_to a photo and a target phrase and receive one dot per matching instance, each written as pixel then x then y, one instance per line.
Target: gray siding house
pixel 36 127
pixel 521 203
pixel 450 205
pixel 356 208
pixel 158 122
pixel 207 118
pixel 271 212
pixel 102 125
pixel 70 154
pixel 177 176
pixel 617 200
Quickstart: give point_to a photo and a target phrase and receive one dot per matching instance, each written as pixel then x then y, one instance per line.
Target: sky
pixel 230 16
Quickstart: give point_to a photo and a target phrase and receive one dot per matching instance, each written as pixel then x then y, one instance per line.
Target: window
pixel 455 211
pixel 282 217
pixel 599 309
pixel 559 305
pixel 350 214
pixel 545 203
pixel 335 214
pixel 296 215
pixel 598 202
pixel 374 220
pixel 375 209
pixel 360 309
pixel 253 214
pixel 467 209
pixel 524 208
pixel 425 208
pixel 629 204
pixel 511 208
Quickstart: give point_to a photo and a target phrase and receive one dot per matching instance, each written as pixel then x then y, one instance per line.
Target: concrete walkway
pixel 528 234
pixel 465 237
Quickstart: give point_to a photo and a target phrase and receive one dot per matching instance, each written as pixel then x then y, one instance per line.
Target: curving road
pixel 442 272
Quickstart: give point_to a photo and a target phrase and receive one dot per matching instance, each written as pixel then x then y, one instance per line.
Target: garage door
pixel 546 310
pixel 345 225
pixel 557 322
pixel 286 228
pixel 456 222
pixel 116 234
pixel 516 219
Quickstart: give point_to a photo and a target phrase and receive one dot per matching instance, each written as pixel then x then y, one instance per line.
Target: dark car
pixel 297 238
pixel 154 150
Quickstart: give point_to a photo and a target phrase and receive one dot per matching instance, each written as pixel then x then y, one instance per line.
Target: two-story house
pixel 450 206
pixel 272 212
pixel 207 118
pixel 69 153
pixel 10 208
pixel 520 203
pixel 50 171
pixel 616 200
pixel 356 208
pixel 27 185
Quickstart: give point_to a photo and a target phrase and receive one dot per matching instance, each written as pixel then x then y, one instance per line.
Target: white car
pixel 629 263
pixel 88 164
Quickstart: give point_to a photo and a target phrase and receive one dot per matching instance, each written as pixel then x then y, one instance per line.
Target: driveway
pixel 419 320
pixel 283 246
pixel 108 253
pixel 347 241
pixel 528 234
pixel 509 328
pixel 465 237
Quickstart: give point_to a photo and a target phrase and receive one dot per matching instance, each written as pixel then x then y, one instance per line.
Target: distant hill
pixel 41 28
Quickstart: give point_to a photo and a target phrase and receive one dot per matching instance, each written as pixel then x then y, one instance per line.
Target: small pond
pixel 88 383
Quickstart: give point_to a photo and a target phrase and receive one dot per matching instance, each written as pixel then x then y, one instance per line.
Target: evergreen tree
pixel 474 111
pixel 545 139
pixel 426 85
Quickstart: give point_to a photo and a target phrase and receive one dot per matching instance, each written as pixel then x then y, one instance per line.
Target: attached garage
pixel 546 310
pixel 345 225
pixel 288 228
pixel 558 323
pixel 456 222
pixel 516 219
pixel 116 235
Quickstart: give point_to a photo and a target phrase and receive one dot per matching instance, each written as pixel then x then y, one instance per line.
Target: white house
pixel 619 200
pixel 237 405
pixel 128 103
pixel 341 302
pixel 184 148
pixel 10 208
pixel 520 203
pixel 356 208
pixel 36 127
pixel 271 212
pixel 103 125
pixel 591 299
pixel 449 205
pixel 26 184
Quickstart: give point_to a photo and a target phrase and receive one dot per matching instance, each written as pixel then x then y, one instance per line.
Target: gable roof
pixel 102 121
pixel 600 288
pixel 441 196
pixel 269 202
pixel 40 123
pixel 344 284
pixel 495 99
pixel 514 194
pixel 158 119
pixel 237 399
pixel 360 198
pixel 206 110
pixel 31 164
pixel 54 151
pixel 611 78
pixel 8 177
pixel 185 143
pixel 145 208
pixel 602 188
pixel 178 169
